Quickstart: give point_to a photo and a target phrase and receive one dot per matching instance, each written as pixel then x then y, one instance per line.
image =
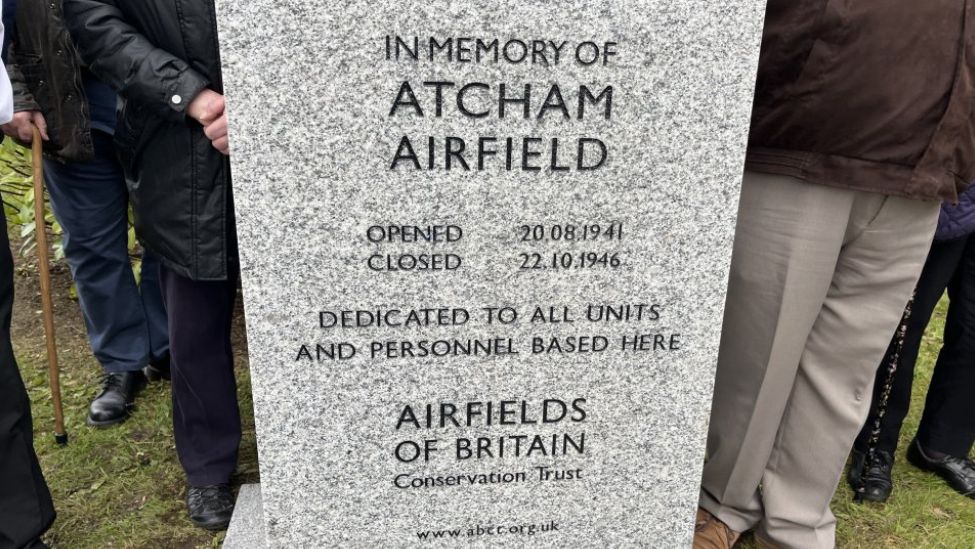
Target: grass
pixel 923 511
pixel 115 487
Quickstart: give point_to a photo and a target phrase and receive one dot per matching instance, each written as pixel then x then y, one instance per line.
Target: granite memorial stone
pixel 484 249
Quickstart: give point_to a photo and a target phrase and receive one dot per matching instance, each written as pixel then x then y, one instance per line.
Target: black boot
pixel 876 480
pixel 118 394
pixel 958 472
pixel 210 507
pixel 158 369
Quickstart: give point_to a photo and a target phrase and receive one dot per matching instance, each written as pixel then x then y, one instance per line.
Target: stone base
pixel 247 526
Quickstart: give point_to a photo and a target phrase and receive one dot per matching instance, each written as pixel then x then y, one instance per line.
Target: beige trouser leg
pixel 819 279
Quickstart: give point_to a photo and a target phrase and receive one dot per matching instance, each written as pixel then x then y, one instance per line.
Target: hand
pixel 21 126
pixel 206 107
pixel 217 133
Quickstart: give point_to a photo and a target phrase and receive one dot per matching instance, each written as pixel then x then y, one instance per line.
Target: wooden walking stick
pixel 40 234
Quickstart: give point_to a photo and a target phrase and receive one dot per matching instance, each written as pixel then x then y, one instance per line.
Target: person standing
pixel 946 434
pixel 162 59
pixel 861 126
pixel 125 320
pixel 26 509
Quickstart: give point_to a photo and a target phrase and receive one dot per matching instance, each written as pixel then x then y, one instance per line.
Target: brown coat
pixel 873 95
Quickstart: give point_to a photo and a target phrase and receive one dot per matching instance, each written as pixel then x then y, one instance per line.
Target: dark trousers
pixel 206 418
pixel 126 322
pixel 26 510
pixel 948 423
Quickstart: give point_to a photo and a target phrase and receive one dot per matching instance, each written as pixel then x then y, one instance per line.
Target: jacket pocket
pixel 129 131
pixel 35 79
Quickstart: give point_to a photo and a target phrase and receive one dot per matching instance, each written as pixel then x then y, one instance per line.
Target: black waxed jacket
pixel 158 55
pixel 45 76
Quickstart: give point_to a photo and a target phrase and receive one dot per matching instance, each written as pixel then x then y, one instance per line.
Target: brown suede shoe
pixel 711 533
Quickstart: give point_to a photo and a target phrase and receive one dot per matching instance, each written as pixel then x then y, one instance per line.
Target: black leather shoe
pixel 114 403
pixel 876 480
pixel 158 369
pixel 957 472
pixel 210 507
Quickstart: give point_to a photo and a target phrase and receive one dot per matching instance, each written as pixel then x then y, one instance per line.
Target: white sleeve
pixel 6 94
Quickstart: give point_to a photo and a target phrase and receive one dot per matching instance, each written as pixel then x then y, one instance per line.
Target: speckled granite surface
pixel 247 527
pixel 319 113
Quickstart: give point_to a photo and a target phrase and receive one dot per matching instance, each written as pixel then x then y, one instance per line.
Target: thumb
pixel 41 123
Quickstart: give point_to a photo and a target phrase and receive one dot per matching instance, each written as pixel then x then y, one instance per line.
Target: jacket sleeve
pixel 9 25
pixel 119 55
pixel 23 99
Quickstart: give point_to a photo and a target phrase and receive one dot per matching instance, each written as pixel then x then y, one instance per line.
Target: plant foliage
pixel 17 189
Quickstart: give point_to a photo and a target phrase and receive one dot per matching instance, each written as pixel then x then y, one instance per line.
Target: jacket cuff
pixel 23 99
pixel 25 103
pixel 185 89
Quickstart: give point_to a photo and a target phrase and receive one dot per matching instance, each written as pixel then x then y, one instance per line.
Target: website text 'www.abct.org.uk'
pixel 489 530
